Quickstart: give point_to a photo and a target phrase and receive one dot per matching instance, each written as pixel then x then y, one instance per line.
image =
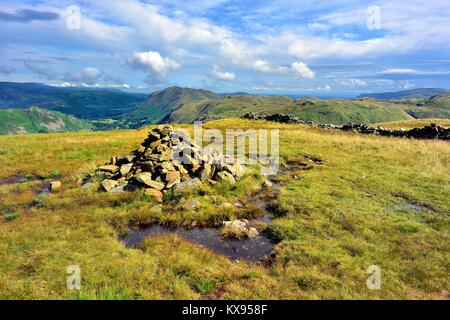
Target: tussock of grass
pixel 11 216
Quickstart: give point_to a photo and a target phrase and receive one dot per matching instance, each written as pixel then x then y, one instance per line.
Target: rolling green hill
pixel 184 105
pixel 413 93
pixel 337 111
pixel 114 109
pixel 434 107
pixel 79 102
pixel 35 120
pixel 160 105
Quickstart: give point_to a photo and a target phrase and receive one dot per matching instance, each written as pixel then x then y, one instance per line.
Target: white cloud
pixel 222 75
pixel 92 85
pixel 262 65
pixel 354 82
pixel 318 47
pixel 41 70
pixel 265 66
pixel 399 71
pixel 408 85
pixel 302 70
pixel 154 64
pixel 88 76
pixel 407 71
pixel 324 88
pixel 63 84
pixel 173 33
pixel 316 26
pixel 266 41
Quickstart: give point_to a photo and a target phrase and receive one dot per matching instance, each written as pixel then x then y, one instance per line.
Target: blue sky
pixel 279 47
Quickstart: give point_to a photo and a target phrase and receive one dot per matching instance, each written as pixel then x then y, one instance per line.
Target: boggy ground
pixel 372 201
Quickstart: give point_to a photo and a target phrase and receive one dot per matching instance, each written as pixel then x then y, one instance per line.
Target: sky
pixel 290 47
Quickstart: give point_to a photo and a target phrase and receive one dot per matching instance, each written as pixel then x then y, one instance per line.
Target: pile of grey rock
pixel 431 131
pixel 166 160
pixel 286 118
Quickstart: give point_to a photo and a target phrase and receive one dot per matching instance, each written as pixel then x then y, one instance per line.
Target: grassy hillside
pixel 416 123
pixel 434 107
pixel 182 105
pixel 413 93
pixel 160 105
pixel 373 201
pixel 337 111
pixel 113 109
pixel 79 102
pixel 35 120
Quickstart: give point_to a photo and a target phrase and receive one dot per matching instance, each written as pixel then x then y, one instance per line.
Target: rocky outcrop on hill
pixel 166 160
pixel 431 131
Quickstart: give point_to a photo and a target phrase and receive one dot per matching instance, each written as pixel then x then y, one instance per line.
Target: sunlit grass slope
pixel 34 119
pixel 416 123
pixel 336 111
pixel 355 210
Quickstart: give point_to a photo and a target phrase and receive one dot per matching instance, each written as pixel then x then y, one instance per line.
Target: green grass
pixel 339 222
pixel 336 111
pixel 12 216
pixel 416 123
pixel 83 154
pixel 35 120
pixel 204 286
pixel 160 105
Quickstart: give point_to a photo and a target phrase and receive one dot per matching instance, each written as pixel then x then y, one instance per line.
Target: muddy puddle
pixel 38 185
pixel 19 178
pixel 42 192
pixel 250 249
pixel 253 249
pixel 408 206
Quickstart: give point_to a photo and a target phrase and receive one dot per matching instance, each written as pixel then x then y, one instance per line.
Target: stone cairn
pixel 166 160
pixel 431 131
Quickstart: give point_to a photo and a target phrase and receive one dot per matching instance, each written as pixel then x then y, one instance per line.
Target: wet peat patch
pixel 255 249
pixel 20 178
pixel 410 205
pixel 251 249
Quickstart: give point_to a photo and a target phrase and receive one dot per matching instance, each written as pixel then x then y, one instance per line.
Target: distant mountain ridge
pixel 404 94
pixel 80 102
pixel 185 105
pixel 116 109
pixel 37 120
